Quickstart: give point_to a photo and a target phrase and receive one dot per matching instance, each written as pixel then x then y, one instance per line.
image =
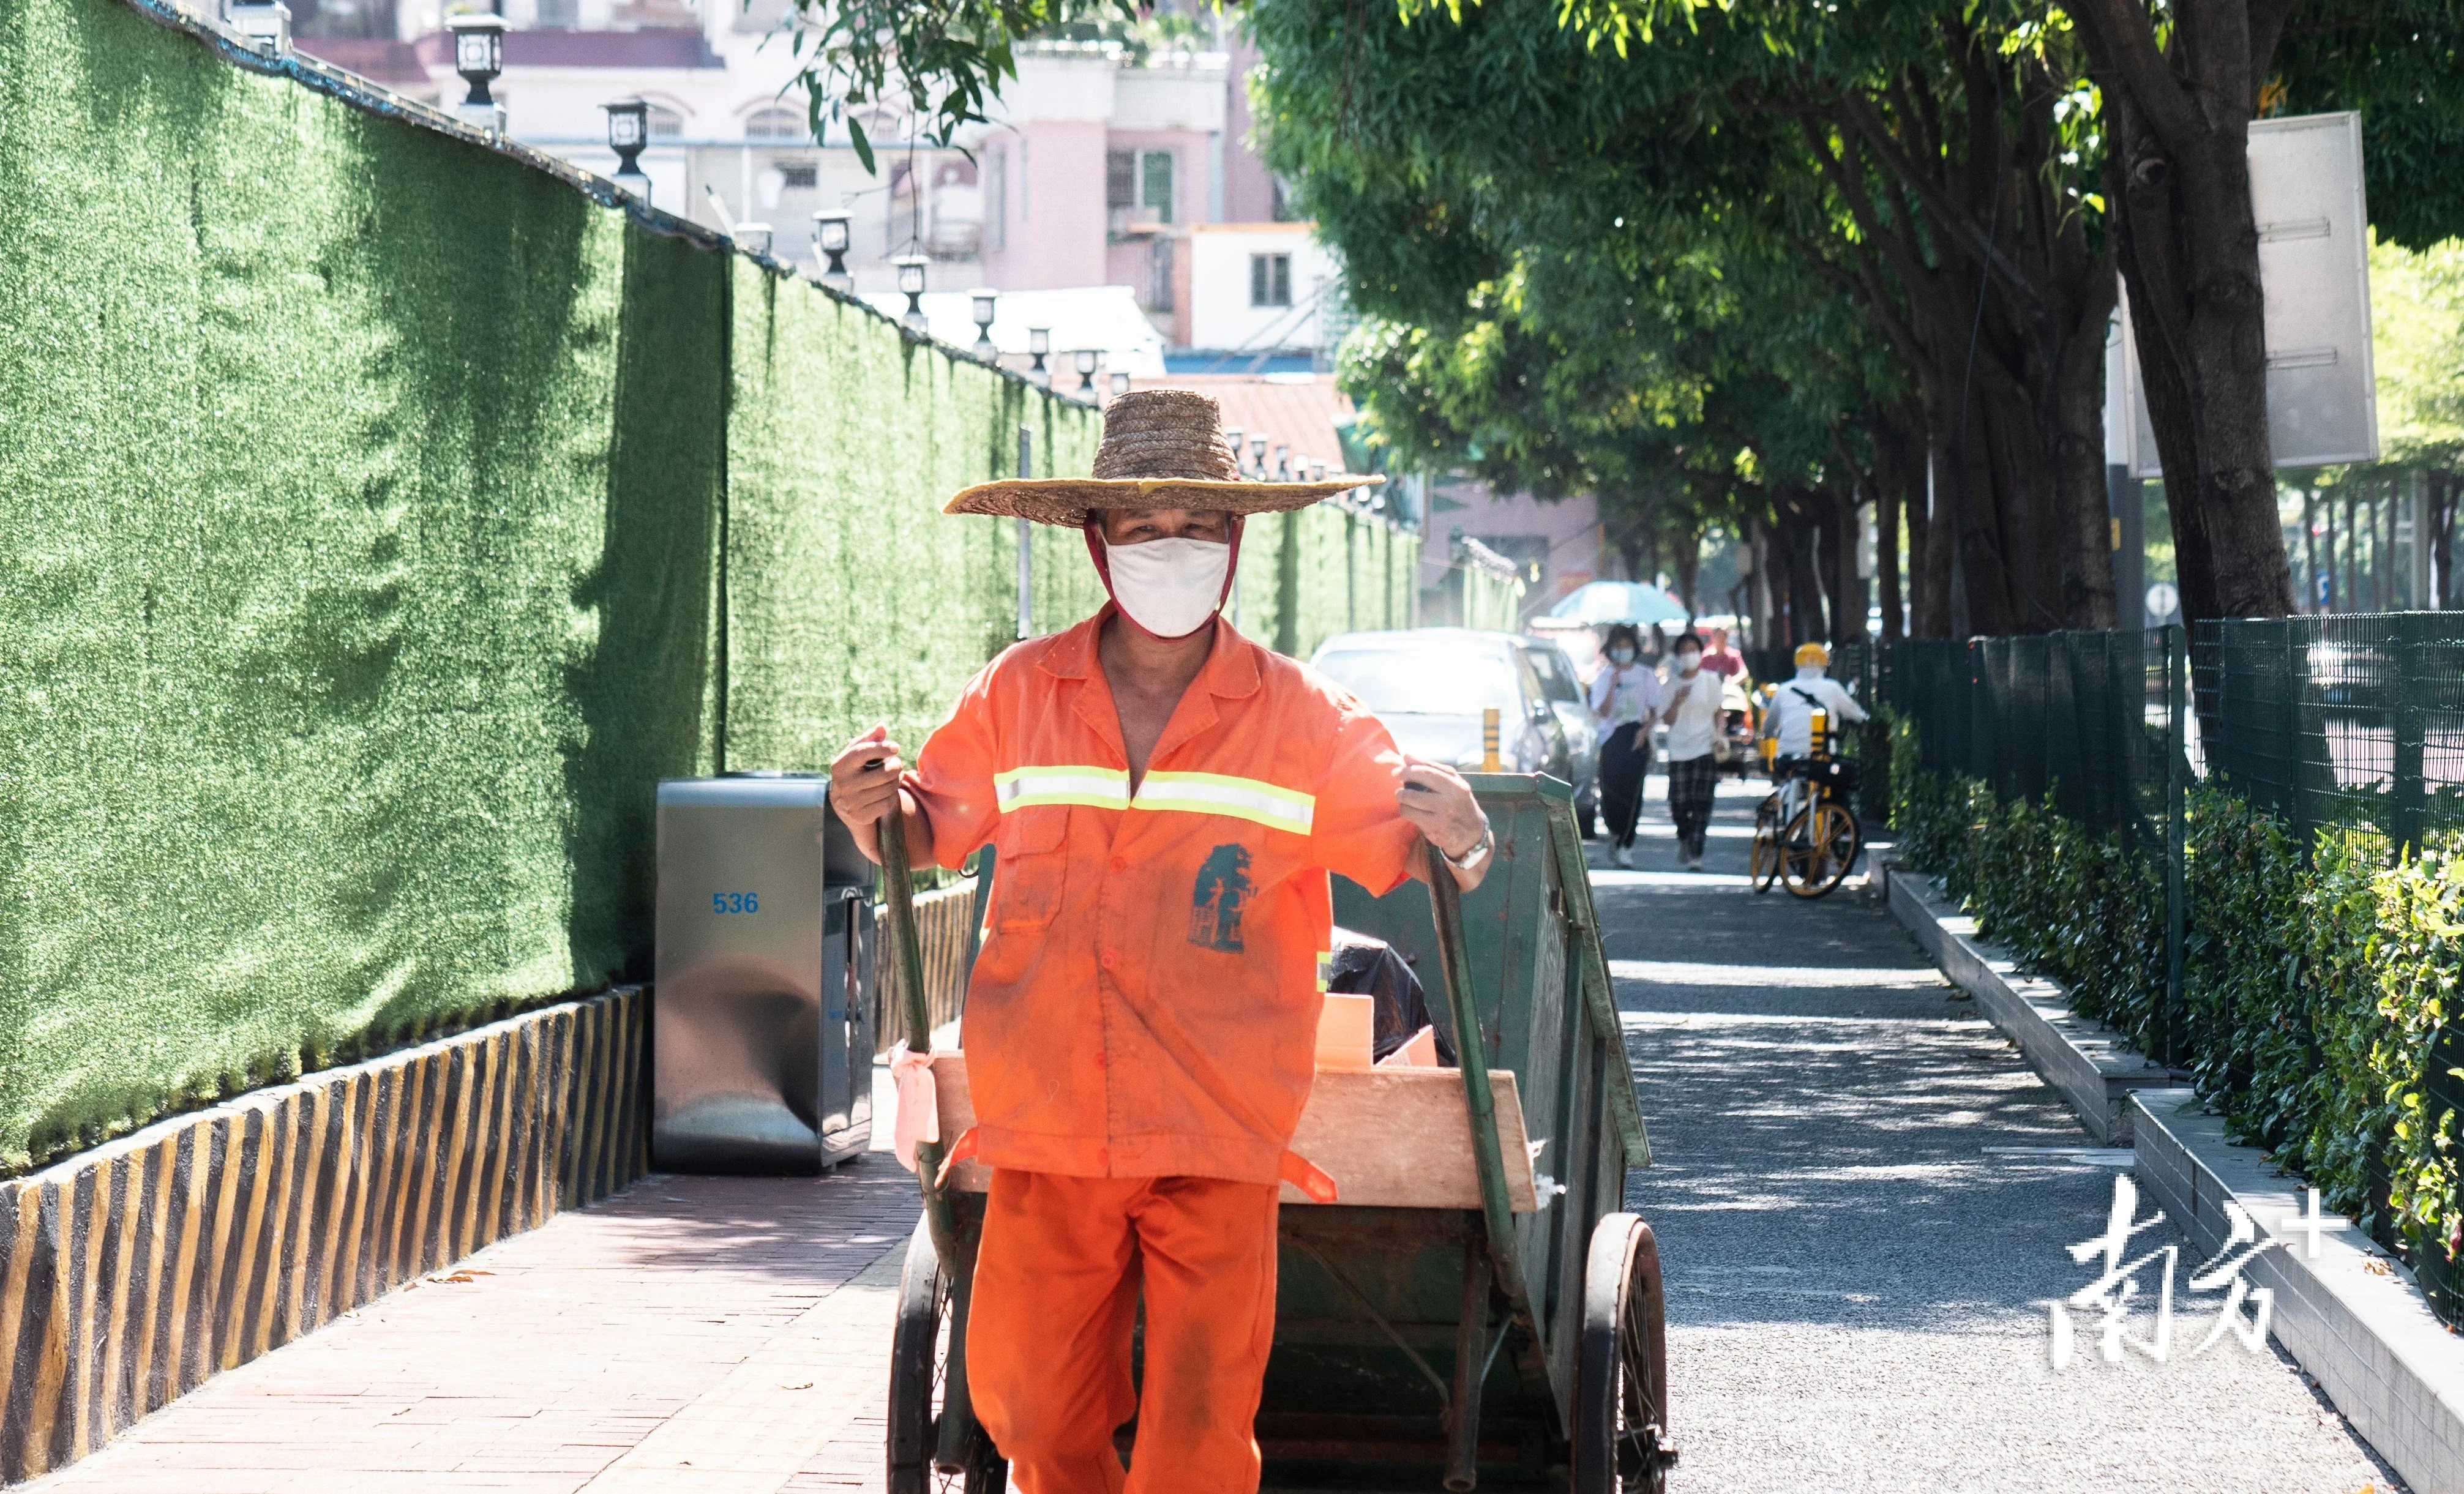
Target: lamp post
pixel 265 28
pixel 831 237
pixel 754 238
pixel 911 284
pixel 1087 357
pixel 1258 454
pixel 1232 438
pixel 1120 383
pixel 1039 343
pixel 1283 464
pixel 1317 472
pixel 479 56
pixel 629 130
pixel 984 303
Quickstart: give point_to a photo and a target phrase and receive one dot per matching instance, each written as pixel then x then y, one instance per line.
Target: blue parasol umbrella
pixel 1604 602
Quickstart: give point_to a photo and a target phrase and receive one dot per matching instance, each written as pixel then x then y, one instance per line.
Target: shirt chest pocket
pixel 1031 869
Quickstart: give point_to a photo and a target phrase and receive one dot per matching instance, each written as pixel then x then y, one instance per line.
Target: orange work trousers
pixel 1057 1283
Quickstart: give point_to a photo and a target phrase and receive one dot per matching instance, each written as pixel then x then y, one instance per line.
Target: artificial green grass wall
pixel 851 598
pixel 384 518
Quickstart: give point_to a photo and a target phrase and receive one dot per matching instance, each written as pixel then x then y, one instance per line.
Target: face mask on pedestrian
pixel 1170 587
pixel 1688 661
pixel 1622 656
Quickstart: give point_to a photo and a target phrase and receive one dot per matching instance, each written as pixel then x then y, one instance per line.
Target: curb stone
pixel 2351 1315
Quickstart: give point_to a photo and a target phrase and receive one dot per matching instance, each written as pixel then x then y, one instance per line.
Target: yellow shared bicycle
pixel 1805 835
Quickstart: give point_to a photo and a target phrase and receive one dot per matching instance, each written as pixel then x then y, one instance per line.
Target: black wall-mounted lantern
pixel 629 130
pixel 479 56
pixel 831 237
pixel 985 303
pixel 911 284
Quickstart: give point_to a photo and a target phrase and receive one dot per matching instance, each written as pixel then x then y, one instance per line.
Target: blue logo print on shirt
pixel 1215 902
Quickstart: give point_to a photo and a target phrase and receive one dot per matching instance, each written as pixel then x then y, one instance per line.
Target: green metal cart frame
pixel 1461 1347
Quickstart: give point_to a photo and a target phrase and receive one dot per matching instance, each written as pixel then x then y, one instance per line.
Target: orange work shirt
pixel 1146 1000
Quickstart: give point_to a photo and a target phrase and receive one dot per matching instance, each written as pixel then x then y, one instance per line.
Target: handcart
pixel 1477 1310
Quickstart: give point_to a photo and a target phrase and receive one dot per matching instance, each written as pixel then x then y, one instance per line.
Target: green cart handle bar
pixel 898 898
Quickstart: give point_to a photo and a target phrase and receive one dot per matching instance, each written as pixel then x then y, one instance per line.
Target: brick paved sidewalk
pixel 690 1334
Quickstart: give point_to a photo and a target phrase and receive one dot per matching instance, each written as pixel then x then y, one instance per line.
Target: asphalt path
pixel 1858 1286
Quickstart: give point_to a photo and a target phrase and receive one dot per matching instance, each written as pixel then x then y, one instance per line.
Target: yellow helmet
pixel 1812 653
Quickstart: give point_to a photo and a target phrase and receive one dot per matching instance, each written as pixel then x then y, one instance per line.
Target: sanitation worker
pixel 1166 800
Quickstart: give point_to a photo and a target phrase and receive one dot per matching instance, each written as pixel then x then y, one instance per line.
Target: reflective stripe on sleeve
pixel 1324 968
pixel 1220 794
pixel 1098 789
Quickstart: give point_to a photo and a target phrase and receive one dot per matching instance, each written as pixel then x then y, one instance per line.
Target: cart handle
pixel 898 899
pixel 1454 961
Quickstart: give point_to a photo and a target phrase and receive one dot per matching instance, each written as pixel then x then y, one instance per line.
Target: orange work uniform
pixel 1141 1032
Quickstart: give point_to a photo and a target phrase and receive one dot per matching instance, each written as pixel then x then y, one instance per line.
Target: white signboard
pixel 2305 188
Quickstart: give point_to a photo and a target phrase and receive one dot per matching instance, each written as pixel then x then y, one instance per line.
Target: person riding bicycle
pixel 1794 703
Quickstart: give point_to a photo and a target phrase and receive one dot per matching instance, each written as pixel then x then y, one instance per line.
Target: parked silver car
pixel 1563 684
pixel 1430 686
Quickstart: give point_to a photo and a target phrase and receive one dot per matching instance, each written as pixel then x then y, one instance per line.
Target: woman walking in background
pixel 1625 696
pixel 1693 711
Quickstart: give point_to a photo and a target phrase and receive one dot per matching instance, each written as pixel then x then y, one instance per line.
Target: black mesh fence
pixel 2092 719
pixel 2351 720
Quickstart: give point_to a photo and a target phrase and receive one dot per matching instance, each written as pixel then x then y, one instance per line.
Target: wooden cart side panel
pixel 1394 1138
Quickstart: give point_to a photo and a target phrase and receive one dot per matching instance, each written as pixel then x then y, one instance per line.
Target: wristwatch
pixel 1477 854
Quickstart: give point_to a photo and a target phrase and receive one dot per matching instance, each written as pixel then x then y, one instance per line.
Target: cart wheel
pixel 1621 1377
pixel 1820 846
pixel 1762 867
pixel 919 1367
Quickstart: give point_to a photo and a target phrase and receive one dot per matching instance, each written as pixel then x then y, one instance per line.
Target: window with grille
pixel 1270 279
pixel 666 123
pixel 774 124
pixel 1159 274
pixel 1120 179
pixel 797 176
pixel 1155 182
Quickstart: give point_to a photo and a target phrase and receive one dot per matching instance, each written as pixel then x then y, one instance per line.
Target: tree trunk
pixel 1687 559
pixel 1848 594
pixel 1886 556
pixel 2001 315
pixel 2177 171
pixel 1940 541
pixel 2442 515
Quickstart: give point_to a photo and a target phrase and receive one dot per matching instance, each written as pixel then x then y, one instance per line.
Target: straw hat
pixel 1162 449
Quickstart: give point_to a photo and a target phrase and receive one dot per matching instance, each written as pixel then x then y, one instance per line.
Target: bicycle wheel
pixel 1762 863
pixel 1817 848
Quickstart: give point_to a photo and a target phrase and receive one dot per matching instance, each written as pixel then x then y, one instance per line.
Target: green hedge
pixel 2319 995
pixel 386 517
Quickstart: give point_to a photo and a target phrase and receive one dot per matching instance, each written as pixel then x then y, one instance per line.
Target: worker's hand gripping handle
pixel 898 899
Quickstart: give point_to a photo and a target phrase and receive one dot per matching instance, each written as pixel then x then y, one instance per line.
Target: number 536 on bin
pixel 736 902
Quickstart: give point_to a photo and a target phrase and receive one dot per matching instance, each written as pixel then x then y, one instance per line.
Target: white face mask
pixel 1688 662
pixel 1622 655
pixel 1170 587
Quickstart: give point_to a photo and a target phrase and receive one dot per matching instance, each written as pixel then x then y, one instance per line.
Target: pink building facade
pixel 1561 538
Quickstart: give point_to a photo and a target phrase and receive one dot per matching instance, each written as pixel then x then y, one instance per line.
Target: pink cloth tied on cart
pixel 919 1105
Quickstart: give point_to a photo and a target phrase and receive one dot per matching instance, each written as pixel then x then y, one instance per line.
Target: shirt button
pixel 1108 960
pixel 1099 1061
pixel 1103 1156
pixel 1120 864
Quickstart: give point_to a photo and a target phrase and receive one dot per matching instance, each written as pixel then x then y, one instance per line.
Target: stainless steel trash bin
pixel 762 1035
